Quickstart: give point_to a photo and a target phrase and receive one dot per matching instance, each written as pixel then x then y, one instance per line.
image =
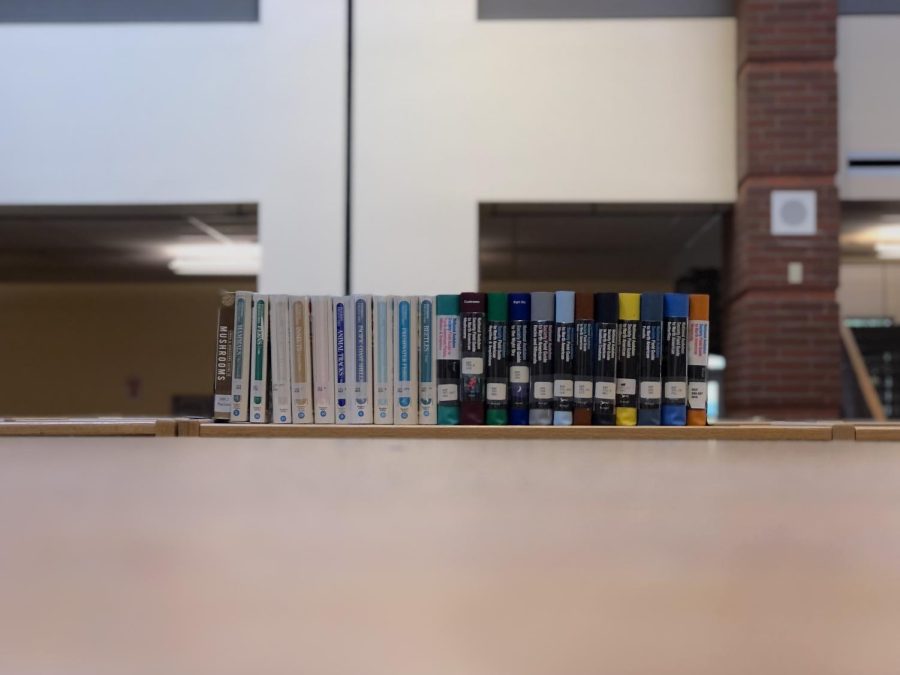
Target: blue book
pixel 564 359
pixel 519 362
pixel 675 319
pixel 650 369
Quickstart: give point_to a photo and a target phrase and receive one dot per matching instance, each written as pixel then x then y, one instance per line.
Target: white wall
pixel 869 102
pixel 181 113
pixel 451 111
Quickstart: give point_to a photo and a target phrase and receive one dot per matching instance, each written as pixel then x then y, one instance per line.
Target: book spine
pixel 279 348
pixel 519 359
pixel 242 350
pixel 343 359
pixel 540 410
pixel 650 375
pixel 383 358
pixel 323 358
pixel 224 358
pixel 427 362
pixel 584 359
pixel 472 348
pixel 698 359
pixel 448 359
pixel 406 379
pixel 260 361
pixel 606 356
pixel 675 360
pixel 496 393
pixel 361 401
pixel 301 363
pixel 629 362
pixel 564 359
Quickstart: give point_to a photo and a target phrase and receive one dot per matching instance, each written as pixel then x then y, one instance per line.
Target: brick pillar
pixel 781 340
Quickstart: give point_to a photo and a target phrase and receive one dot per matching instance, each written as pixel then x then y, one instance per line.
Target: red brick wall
pixel 782 340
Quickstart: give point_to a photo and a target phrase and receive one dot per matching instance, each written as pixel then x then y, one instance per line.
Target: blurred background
pixel 153 152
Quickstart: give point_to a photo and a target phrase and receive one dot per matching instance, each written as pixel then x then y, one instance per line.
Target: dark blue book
pixel 519 363
pixel 606 356
pixel 650 370
pixel 675 319
pixel 543 305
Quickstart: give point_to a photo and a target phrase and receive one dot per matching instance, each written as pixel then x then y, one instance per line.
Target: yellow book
pixel 627 369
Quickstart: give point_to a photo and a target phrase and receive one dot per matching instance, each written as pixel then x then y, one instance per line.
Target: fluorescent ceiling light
pixel 888 251
pixel 220 259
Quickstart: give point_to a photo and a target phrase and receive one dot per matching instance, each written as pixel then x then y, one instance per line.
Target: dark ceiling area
pixel 585 242
pixel 110 243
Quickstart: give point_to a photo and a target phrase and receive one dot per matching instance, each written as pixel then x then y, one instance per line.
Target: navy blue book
pixel 650 372
pixel 606 356
pixel 519 364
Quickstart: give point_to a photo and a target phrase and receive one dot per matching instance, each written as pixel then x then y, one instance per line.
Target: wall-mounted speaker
pixel 793 213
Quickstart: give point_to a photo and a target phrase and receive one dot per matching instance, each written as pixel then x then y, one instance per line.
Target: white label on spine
pixel 222 403
pixel 448 337
pixel 543 390
pixel 626 387
pixel 697 395
pixel 563 388
pixel 496 391
pixel 583 389
pixel 651 390
pixel 518 374
pixel 698 343
pixel 675 390
pixel 472 365
pixel 605 391
pixel 448 392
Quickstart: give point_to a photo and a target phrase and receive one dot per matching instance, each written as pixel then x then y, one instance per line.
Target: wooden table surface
pixel 219 556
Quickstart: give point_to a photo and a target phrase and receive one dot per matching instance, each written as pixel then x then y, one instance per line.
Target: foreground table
pixel 328 556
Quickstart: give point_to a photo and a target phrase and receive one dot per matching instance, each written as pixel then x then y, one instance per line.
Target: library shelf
pixel 737 432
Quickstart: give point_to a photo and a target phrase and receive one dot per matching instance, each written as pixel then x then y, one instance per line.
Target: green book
pixel 497 399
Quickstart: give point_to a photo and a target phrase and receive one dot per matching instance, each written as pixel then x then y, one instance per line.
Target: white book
pixel 241 350
pixel 343 358
pixel 406 376
pixel 259 363
pixel 280 354
pixel 383 358
pixel 427 360
pixel 301 360
pixel 361 374
pixel 322 358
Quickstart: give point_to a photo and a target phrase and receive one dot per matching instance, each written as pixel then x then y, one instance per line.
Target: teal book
pixel 447 307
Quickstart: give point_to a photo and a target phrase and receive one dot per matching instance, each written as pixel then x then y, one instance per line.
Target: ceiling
pixel 865 224
pixel 110 243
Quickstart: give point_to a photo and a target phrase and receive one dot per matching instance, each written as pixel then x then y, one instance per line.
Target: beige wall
pixel 870 290
pixel 71 349
pixel 451 112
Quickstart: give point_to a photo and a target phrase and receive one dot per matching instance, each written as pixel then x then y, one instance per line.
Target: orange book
pixel 698 358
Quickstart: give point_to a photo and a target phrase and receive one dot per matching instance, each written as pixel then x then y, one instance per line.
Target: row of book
pixel 520 358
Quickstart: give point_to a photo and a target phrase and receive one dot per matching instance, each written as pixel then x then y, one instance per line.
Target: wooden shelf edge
pixel 878 432
pixel 66 428
pixel 737 432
